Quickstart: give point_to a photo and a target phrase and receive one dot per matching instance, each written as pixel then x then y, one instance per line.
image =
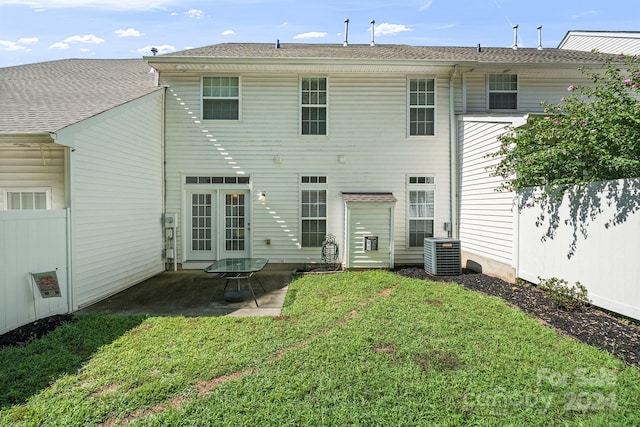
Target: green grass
pixel 367 348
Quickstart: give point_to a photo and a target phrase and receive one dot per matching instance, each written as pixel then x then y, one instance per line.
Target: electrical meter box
pixel 370 243
pixel 170 220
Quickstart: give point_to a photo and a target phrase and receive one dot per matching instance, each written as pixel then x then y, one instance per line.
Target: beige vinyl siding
pixel 33 167
pixel 116 208
pixel 476 92
pixel 534 87
pixel 486 216
pixel 367 125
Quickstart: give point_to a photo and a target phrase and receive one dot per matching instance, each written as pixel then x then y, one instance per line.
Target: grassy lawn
pixel 358 348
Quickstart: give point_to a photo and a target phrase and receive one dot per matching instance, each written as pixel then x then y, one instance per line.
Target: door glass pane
pixel 234 222
pixel 201 222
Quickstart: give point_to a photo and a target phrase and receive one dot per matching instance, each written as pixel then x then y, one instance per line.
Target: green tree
pixel 593 134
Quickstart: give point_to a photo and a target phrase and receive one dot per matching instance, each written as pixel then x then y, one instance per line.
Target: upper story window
pixel 220 98
pixel 422 107
pixel 313 99
pixel 503 91
pixel 28 199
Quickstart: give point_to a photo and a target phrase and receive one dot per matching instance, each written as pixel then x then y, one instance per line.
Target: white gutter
pixel 453 156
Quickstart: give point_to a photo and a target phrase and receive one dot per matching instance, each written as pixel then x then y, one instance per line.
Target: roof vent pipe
pixel 373 32
pixel 539 37
pixel 346 32
pixel 515 37
pixel 278 44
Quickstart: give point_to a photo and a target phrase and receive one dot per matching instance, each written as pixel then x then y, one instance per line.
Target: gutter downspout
pixel 68 152
pixel 453 157
pixel 164 180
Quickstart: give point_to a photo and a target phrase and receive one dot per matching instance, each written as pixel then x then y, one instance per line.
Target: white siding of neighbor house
pixel 367 125
pixel 486 216
pixel 116 207
pixel 627 43
pixel 33 167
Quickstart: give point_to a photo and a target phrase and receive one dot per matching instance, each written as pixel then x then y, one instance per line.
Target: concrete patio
pixel 196 293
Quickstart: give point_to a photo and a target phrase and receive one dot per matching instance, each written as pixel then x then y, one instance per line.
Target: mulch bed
pixel 23 335
pixel 592 326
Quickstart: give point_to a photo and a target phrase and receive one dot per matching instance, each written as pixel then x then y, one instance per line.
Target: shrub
pixel 563 295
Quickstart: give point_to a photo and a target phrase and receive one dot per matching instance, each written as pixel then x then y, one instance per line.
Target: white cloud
pixel 129 32
pixel 311 35
pixel 228 33
pixel 10 46
pixel 162 49
pixel 426 6
pixel 194 13
pixel 59 45
pixel 387 29
pixel 87 38
pixel 28 40
pixel 39 5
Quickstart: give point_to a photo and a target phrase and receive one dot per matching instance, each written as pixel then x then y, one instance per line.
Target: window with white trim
pixel 503 91
pixel 420 210
pixel 313 210
pixel 28 199
pixel 313 100
pixel 220 98
pixel 422 107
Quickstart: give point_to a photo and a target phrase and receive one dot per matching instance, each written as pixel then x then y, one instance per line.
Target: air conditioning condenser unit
pixel 442 256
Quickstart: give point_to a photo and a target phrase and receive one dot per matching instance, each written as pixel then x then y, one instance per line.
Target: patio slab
pixel 196 293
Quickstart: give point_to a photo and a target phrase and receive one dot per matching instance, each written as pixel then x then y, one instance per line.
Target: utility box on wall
pixel 170 220
pixel 370 243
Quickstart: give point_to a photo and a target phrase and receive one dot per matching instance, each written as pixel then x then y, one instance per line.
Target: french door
pixel 217 225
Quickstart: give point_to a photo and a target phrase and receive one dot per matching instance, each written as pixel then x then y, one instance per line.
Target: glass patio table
pixel 237 269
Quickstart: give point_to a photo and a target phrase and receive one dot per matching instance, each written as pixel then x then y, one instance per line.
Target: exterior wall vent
pixel 442 256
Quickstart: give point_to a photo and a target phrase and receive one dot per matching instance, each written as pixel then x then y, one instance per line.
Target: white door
pixel 200 232
pixel 234 224
pixel 217 224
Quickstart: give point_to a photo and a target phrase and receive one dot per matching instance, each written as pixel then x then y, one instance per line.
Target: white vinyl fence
pixel 592 237
pixel 31 242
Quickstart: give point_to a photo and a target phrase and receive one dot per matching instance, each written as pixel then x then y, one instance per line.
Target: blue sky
pixel 35 31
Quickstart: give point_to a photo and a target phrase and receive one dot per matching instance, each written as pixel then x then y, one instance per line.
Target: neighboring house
pixel 615 42
pixel 81 182
pixel 271 147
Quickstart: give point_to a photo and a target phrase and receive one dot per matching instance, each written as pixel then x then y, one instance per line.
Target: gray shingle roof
pixel 48 96
pixel 386 52
pixel 369 197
